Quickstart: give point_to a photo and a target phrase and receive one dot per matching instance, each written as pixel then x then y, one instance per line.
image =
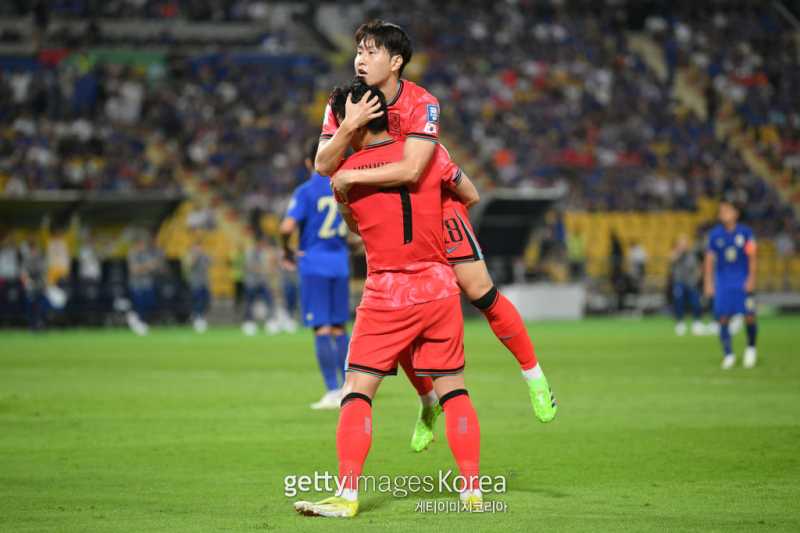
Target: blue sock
pixel 342 345
pixel 328 360
pixel 752 332
pixel 725 337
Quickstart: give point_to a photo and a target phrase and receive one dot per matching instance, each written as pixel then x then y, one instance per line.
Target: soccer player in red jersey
pixel 382 52
pixel 410 305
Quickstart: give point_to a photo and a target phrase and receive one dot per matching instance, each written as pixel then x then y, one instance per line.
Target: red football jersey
pixel 402 231
pixel 413 112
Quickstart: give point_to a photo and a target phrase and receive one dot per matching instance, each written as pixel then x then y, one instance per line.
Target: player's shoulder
pixel 417 93
pixel 744 228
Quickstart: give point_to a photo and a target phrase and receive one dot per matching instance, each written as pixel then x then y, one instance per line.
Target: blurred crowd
pixel 540 93
pixel 193 10
pixel 91 126
pixel 561 96
pixel 53 278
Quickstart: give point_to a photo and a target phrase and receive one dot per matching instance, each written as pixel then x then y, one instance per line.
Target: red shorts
pixel 432 331
pixel 460 244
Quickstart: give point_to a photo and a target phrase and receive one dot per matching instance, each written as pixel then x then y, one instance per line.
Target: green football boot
pixel 542 399
pixel 423 430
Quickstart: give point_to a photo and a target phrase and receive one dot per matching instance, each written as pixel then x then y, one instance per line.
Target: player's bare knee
pixel 473 278
pixel 358 382
pixel 322 330
pixel 443 385
pixel 337 330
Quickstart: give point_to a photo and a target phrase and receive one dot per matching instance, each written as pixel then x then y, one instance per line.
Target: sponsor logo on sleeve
pixel 433 113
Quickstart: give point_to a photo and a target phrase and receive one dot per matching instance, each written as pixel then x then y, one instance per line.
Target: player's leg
pixel 751 326
pixel 315 307
pixel 508 326
pixel 679 307
pixel 429 408
pixel 353 441
pixel 249 325
pixel 698 328
pixel 463 433
pixel 339 310
pixel 378 337
pixel 439 353
pixel 723 314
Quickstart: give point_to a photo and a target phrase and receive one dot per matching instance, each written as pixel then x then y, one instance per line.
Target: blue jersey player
pixel 323 262
pixel 730 277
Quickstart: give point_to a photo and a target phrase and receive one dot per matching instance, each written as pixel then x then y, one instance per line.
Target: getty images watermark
pixel 401 486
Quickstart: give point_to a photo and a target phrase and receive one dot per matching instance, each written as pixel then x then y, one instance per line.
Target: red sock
pixel 423 384
pixel 507 324
pixel 353 438
pixel 463 435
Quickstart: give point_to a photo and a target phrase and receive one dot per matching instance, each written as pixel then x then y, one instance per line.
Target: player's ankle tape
pixel 486 301
pixel 452 394
pixel 355 396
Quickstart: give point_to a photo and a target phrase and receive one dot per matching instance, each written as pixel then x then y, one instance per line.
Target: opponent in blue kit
pixel 730 277
pixel 324 266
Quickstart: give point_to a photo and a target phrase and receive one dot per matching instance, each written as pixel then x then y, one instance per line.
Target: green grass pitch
pixel 104 431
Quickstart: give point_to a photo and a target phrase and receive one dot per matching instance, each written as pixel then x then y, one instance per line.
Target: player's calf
pixel 463 431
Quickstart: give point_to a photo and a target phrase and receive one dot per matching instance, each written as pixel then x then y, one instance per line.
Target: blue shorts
pixel 733 301
pixel 324 301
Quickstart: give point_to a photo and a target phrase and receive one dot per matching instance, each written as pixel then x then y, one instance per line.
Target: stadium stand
pixel 647 119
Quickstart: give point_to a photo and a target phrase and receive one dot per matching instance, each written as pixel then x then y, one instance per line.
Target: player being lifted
pixel 382 52
pixel 324 266
pixel 730 278
pixel 410 305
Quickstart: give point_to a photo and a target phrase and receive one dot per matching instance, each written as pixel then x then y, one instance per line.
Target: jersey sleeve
pixel 750 242
pixel 710 242
pixel 329 124
pixel 297 206
pixel 424 120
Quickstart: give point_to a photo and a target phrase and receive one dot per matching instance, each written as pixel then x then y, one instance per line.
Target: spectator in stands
pixel 143 267
pixel 256 284
pixel 58 259
pixel 9 261
pixel 196 266
pixel 637 265
pixel 686 273
pixel 34 272
pixel 576 256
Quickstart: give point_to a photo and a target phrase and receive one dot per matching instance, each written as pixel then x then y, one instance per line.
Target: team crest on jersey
pixel 739 240
pixel 433 113
pixel 394 122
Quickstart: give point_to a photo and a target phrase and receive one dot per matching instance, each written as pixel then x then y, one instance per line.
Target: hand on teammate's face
pixel 358 114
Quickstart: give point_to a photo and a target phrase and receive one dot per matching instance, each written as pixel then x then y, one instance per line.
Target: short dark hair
pixel 389 36
pixel 358 90
pixel 311 149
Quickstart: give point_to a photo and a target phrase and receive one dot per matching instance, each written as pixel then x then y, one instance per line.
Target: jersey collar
pixel 396 96
pixel 378 144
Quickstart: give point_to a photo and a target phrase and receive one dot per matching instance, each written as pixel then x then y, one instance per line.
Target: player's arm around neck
pixel 331 152
pixel 417 154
